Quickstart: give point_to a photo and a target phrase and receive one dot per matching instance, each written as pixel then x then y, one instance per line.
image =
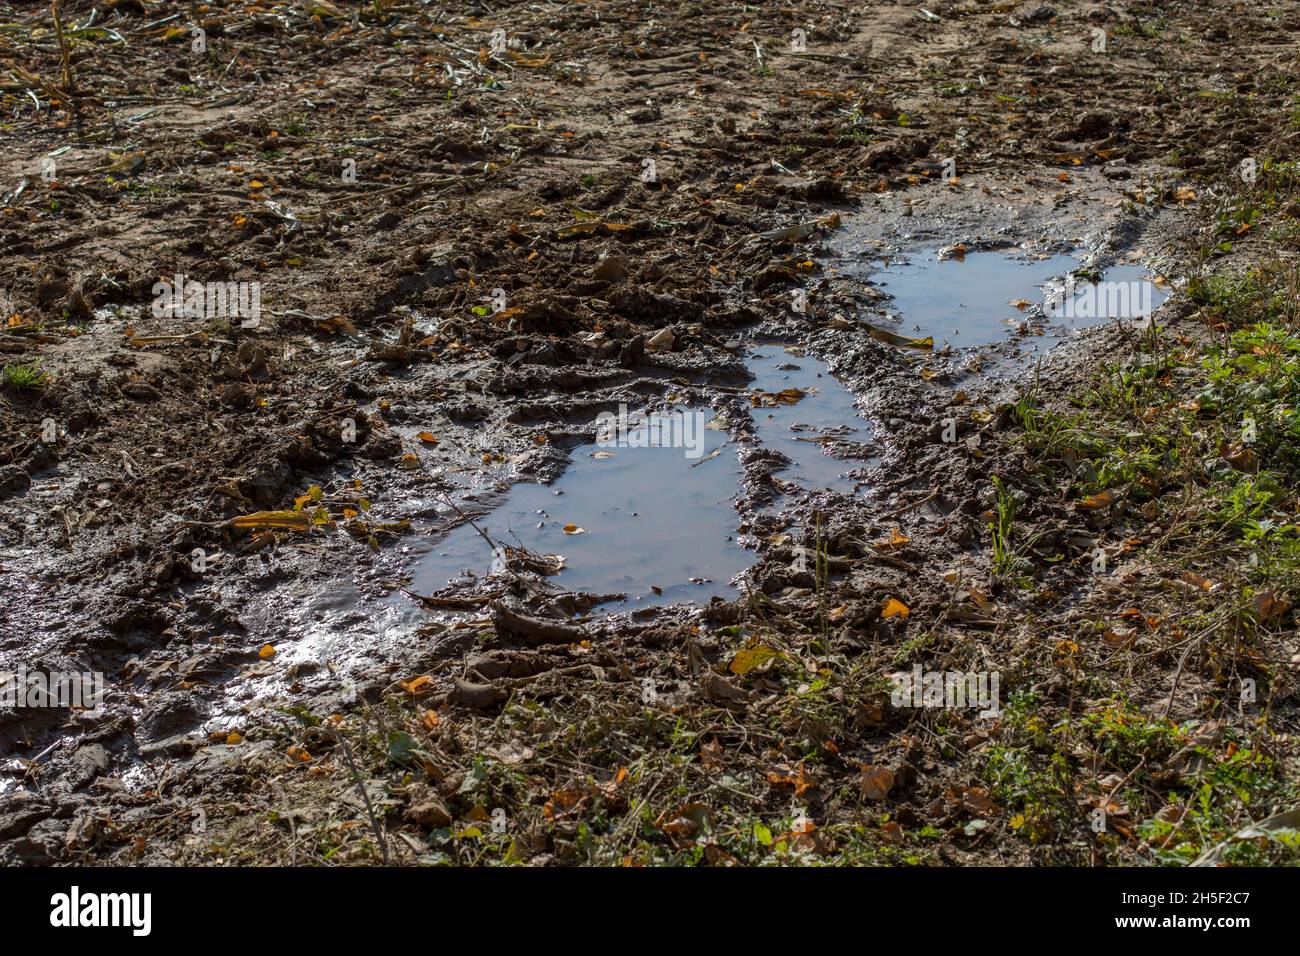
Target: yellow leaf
pixel 896 539
pixel 428 438
pixel 1094 502
pixel 234 738
pixel 895 608
pixel 282 520
pixel 746 660
pixel 574 529
pixel 413 686
pixel 267 652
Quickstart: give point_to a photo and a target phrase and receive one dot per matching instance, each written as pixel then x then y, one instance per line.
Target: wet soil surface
pixel 669 211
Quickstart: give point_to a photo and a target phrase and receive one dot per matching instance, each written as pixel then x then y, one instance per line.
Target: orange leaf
pixel 895 608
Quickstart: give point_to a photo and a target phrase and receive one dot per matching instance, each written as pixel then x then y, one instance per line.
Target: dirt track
pixel 525 170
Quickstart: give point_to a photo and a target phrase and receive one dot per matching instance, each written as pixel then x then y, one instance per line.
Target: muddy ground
pixel 274 695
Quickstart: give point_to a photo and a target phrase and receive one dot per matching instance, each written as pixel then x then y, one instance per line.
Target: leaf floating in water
pixel 893 338
pixel 574 529
pixel 787 396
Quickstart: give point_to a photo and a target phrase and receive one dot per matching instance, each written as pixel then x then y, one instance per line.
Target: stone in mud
pixel 250 362
pixel 88 762
pixel 1034 13
pixel 895 152
pixel 238 396
pixel 267 482
pixel 13 481
pixel 633 352
pixel 477 696
pixel 171 714
pixel 141 391
pixel 610 269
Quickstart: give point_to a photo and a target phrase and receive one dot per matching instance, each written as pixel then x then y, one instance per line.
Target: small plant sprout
pixel 25 377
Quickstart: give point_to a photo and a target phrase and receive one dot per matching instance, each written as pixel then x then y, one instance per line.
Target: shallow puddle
pixel 646 508
pixel 983 298
pixel 806 430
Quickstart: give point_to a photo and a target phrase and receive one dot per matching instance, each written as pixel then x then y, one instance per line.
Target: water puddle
pixel 648 513
pixel 991 298
pixel 826 417
pixel 646 510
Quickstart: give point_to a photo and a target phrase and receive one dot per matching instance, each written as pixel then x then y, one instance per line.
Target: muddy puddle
pixel 811 431
pixel 644 515
pixel 1015 302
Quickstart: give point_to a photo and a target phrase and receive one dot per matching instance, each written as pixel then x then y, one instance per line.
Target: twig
pixel 365 797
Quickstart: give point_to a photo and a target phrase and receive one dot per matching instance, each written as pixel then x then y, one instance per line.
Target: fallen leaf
pixel 895 608
pixel 896 539
pixel 413 686
pixel 750 658
pixel 875 782
pixel 280 520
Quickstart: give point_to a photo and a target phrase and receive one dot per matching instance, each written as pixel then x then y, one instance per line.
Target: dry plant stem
pixel 365 797
pixel 65 53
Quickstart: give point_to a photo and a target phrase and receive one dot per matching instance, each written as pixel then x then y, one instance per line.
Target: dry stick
pixel 365 797
pixel 483 534
pixel 1178 674
pixel 32 80
pixel 65 56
